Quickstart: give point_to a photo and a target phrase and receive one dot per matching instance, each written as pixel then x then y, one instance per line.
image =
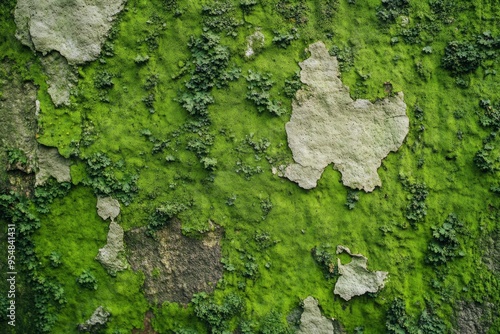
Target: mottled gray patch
pixel 328 126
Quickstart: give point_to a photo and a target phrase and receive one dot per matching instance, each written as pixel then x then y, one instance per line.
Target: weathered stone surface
pixel 51 163
pixel 474 318
pixel 61 78
pixel 108 207
pixel 18 128
pixel 491 246
pixel 175 266
pixel 312 321
pixel 74 28
pixel 255 42
pixel 328 126
pixel 112 256
pixel 96 322
pixel 356 279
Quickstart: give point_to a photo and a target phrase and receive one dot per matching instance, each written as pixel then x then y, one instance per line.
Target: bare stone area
pixel 175 266
pixel 112 256
pixel 108 207
pixel 328 126
pixel 18 129
pixel 491 256
pixel 355 279
pixel 96 322
pixel 75 28
pixel 255 42
pixel 61 78
pixel 313 322
pixel 67 33
pixel 51 163
pixel 471 317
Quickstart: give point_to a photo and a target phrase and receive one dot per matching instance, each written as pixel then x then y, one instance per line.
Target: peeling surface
pixel 355 279
pixel 312 321
pixel 175 266
pixel 51 163
pixel 74 28
pixel 108 208
pixel 328 126
pixel 112 256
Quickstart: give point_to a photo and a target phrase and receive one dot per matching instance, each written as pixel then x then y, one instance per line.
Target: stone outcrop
pixel 51 164
pixel 96 322
pixel 112 256
pixel 66 33
pixel 313 322
pixel 328 126
pixel 355 279
pixel 255 42
pixel 108 208
pixel 75 28
pixel 175 266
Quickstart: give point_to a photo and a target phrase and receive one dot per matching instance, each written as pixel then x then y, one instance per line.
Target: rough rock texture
pixel 255 42
pixel 61 78
pixel 175 266
pixel 74 28
pixel 313 322
pixel 328 126
pixel 473 318
pixel 96 322
pixel 51 163
pixel 356 279
pixel 67 33
pixel 112 256
pixel 108 207
pixel 18 128
pixel 491 246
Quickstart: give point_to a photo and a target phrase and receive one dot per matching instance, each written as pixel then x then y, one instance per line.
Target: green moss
pixel 273 279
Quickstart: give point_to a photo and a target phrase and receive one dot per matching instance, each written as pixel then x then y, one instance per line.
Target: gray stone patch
pixel 51 163
pixel 312 321
pixel 255 42
pixel 355 279
pixel 112 256
pixel 76 28
pixel 175 266
pixel 328 126
pixel 61 78
pixel 96 322
pixel 472 317
pixel 108 207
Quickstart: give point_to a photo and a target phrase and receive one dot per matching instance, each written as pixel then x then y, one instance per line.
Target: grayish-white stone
pixel 312 321
pixel 255 42
pixel 355 279
pixel 108 207
pixel 51 163
pixel 328 126
pixel 75 28
pixel 61 78
pixel 97 321
pixel 112 256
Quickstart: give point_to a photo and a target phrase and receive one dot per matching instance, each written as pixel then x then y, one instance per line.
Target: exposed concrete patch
pixel 66 33
pixel 18 128
pixel 313 322
pixel 75 28
pixel 355 279
pixel 108 207
pixel 112 256
pixel 255 42
pixel 491 246
pixel 61 78
pixel 474 318
pixel 51 163
pixel 175 266
pixel 328 126
pixel 96 322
